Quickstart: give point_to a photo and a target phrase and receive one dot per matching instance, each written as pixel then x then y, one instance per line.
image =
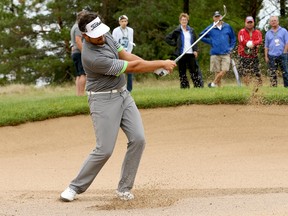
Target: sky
pixel 264 14
pixel 268 10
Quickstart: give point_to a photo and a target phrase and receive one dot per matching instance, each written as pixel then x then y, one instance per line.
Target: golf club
pixel 235 71
pixel 179 57
pixel 163 72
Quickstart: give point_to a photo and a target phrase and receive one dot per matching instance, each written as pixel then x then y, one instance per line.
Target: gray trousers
pixel 109 112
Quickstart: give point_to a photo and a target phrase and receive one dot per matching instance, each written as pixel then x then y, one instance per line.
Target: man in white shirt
pixel 124 36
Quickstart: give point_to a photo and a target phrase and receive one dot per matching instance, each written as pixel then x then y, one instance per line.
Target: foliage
pixel 35 34
pixel 24 103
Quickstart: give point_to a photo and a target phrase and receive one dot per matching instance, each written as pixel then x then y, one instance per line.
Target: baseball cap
pixel 96 28
pixel 216 13
pixel 123 17
pixel 249 19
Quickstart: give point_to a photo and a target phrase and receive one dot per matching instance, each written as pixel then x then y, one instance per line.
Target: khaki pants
pixel 220 63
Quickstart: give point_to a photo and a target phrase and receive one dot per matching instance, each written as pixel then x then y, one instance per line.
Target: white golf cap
pixel 123 17
pixel 96 28
pixel 249 19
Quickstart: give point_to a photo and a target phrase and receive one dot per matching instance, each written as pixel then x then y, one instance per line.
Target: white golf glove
pixel 249 44
pixel 161 72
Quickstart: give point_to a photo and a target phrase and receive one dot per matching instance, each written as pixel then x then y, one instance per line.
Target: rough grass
pixel 20 103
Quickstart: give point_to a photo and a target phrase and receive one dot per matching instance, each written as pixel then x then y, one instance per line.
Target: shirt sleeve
pixel 266 45
pixel 286 37
pixel 130 38
pixel 232 39
pixel 78 32
pixel 206 38
pixel 115 35
pixel 259 39
pixel 110 67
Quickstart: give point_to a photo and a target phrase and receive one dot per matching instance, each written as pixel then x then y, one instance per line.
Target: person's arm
pixel 135 64
pixel 258 39
pixel 115 34
pixel 78 40
pixel 286 48
pixel 131 39
pixel 232 39
pixel 123 54
pixel 206 38
pixel 266 49
pixel 286 41
pixel 142 66
pixel 266 54
pixel 241 37
pixel 171 39
pixel 195 47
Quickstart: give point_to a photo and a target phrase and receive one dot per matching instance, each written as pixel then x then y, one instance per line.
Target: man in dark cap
pixel 222 40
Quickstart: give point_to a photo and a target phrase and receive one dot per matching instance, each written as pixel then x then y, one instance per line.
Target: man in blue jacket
pixel 222 40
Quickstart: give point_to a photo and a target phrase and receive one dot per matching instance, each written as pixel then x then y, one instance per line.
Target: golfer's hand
pixel 169 65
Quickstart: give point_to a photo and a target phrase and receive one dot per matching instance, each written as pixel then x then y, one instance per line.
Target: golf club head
pixel 225 11
pixel 266 27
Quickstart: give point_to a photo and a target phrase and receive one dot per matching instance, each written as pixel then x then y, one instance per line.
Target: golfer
pixel 111 106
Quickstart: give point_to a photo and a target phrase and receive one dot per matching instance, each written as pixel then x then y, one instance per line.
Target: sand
pixel 213 160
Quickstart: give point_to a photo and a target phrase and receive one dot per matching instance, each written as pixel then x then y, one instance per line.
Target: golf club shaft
pixel 179 57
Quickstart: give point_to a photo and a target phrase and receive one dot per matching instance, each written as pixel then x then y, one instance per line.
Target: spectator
pixel 76 48
pixel 249 39
pixel 276 47
pixel 124 35
pixel 182 38
pixel 222 41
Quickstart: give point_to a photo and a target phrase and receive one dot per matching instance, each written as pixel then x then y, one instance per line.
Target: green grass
pixel 173 96
pixel 20 104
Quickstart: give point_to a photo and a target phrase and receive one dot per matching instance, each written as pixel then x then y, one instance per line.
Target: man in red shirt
pixel 249 39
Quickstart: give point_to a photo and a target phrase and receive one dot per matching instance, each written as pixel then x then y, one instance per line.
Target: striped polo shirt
pixel 104 69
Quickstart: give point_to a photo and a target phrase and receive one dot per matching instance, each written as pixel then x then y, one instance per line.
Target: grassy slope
pixel 20 104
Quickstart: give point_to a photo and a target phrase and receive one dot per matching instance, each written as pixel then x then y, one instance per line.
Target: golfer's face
pixel 96 41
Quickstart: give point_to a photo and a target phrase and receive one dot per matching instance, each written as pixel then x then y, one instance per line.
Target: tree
pixel 251 8
pixel 283 18
pixel 17 37
pixel 282 8
pixel 186 6
pixel 35 34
